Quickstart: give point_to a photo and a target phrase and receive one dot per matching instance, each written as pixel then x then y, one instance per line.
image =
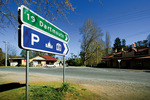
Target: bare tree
pixel 51 9
pixel 12 52
pixel 91 34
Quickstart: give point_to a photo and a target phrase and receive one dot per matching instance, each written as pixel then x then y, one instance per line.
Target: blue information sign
pixel 39 41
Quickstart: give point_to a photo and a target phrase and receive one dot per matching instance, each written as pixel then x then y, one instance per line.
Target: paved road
pixel 138 76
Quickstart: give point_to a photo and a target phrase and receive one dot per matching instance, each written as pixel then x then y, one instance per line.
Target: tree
pixel 36 53
pixel 1 56
pixel 11 50
pixel 117 44
pixel 96 57
pixel 91 34
pixel 124 44
pixel 24 54
pixel 53 55
pixel 108 48
pixel 148 38
pixel 139 43
pixel 49 9
pixel 145 43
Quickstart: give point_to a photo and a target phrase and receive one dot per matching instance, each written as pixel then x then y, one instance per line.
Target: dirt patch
pixel 108 90
pixel 116 90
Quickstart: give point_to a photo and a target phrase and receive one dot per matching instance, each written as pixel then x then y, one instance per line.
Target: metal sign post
pixel 64 69
pixel 27 75
pixel 38 34
pixel 119 60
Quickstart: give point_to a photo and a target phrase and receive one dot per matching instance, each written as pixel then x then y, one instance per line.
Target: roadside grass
pixel 7 66
pixel 50 91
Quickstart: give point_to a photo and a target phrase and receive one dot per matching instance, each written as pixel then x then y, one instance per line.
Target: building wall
pixel 146 63
pixel 133 63
pixel 23 62
pixel 123 64
pixel 114 63
pixel 109 63
pixel 43 63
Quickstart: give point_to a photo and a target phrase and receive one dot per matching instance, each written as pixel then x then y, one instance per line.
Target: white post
pixel 119 60
pixel 27 75
pixel 5 53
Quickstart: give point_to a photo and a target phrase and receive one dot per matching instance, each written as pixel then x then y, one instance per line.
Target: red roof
pixel 49 58
pixel 146 57
pixel 143 49
pixel 108 57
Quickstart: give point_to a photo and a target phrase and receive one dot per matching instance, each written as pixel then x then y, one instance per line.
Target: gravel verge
pixel 107 89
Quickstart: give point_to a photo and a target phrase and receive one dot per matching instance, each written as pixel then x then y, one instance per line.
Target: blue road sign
pixel 32 39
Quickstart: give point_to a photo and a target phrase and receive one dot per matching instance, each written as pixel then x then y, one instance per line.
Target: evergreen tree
pixel 1 56
pixel 117 44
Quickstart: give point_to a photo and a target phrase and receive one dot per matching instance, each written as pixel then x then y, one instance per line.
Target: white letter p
pixel 34 38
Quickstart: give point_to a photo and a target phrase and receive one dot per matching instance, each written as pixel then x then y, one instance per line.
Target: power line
pixel 126 15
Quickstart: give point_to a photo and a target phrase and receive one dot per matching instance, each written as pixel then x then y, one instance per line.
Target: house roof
pixel 49 58
pixel 143 49
pixel 17 57
pixel 108 57
pixel 128 58
pixel 146 57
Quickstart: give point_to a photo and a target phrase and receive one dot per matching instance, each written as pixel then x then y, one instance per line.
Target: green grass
pixel 7 66
pixel 50 91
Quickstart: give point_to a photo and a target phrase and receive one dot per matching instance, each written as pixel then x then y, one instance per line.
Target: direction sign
pixel 31 18
pixel 34 40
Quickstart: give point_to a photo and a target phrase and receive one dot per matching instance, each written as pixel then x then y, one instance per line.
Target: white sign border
pixel 22 46
pixel 21 17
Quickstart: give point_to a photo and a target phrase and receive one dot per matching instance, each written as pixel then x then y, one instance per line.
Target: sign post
pixel 38 34
pixel 119 60
pixel 63 69
pixel 27 74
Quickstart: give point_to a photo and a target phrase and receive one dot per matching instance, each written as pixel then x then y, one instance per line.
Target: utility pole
pixel 5 53
pixel 97 52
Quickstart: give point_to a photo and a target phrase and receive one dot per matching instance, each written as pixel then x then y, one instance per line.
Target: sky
pixel 126 19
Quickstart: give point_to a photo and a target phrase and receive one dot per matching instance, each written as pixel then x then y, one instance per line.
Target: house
pixel 134 58
pixel 16 61
pixel 38 61
pixel 42 60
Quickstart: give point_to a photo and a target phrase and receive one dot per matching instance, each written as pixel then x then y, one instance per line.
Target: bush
pixel 74 62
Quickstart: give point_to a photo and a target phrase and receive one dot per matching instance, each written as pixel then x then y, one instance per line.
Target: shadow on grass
pixel 10 86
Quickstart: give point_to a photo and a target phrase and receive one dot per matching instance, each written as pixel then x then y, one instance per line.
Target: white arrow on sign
pixel 31 39
pixel 66 48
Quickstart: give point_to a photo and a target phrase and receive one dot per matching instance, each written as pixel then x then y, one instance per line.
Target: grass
pixel 50 91
pixel 7 66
